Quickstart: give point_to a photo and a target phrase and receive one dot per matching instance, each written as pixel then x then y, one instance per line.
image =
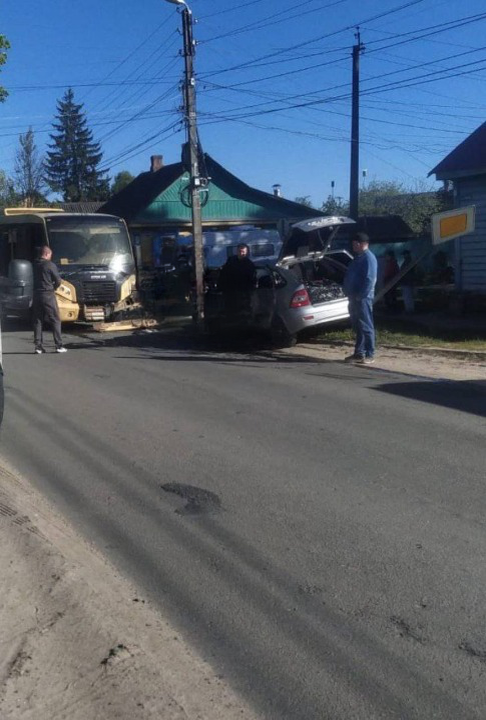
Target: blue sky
pixel 257 60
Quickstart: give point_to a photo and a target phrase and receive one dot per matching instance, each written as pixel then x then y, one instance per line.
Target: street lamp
pixel 192 144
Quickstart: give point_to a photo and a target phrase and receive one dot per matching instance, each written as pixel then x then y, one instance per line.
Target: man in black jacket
pixel 237 280
pixel 46 282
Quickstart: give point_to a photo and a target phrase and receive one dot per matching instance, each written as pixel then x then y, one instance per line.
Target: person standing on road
pixel 237 281
pixel 46 282
pixel 359 286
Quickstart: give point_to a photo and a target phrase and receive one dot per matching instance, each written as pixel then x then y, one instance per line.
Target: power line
pixel 40 131
pixel 289 72
pixel 319 37
pixel 435 29
pixel 62 86
pixel 233 9
pixel 418 80
pixel 138 95
pixel 133 52
pixel 364 117
pixel 215 118
pixel 262 23
pixel 144 110
pixel 138 149
pixel 375 120
pixel 157 51
pixel 441 27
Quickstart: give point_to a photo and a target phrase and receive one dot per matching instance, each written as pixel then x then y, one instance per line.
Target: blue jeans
pixel 361 314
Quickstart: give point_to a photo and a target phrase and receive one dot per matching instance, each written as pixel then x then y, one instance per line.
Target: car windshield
pixel 86 240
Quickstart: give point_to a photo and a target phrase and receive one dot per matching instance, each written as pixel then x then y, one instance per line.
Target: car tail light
pixel 300 298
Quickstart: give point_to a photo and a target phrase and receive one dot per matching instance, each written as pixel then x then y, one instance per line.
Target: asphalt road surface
pixel 328 557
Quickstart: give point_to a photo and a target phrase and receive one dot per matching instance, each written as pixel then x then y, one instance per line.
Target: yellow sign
pixel 453 223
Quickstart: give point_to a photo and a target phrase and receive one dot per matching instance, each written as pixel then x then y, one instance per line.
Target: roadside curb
pixel 445 352
pixel 185 321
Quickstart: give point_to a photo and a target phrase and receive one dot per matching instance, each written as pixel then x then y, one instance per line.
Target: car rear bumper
pixel 298 319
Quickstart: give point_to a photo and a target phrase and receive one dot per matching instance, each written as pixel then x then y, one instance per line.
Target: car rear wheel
pixel 280 336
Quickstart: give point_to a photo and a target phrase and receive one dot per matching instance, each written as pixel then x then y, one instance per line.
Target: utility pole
pixel 191 152
pixel 354 171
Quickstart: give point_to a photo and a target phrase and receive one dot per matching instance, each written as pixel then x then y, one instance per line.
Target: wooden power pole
pixel 196 181
pixel 354 170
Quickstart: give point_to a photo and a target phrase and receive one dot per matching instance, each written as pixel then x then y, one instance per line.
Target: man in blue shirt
pixel 359 286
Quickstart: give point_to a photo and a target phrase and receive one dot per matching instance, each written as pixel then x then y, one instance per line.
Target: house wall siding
pixel 471 249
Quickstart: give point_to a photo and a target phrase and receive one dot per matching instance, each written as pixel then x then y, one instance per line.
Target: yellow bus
pixel 93 253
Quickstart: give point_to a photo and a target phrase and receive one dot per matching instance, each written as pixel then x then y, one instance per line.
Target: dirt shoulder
pixel 78 641
pixel 431 363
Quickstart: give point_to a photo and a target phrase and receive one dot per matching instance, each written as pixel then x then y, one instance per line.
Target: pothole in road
pixel 198 500
pixel 475 652
pixel 407 631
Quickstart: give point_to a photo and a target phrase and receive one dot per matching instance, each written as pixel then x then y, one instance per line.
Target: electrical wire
pixel 227 10
pixel 262 23
pixel 319 37
pixel 435 29
pixel 106 102
pixel 398 84
pixel 136 150
pixel 132 53
pixel 141 112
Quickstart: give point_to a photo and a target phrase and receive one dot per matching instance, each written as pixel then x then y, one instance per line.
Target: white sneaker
pixel 39 351
pixel 61 349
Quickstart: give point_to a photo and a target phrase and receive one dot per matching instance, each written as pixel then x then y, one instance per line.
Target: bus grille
pixel 99 292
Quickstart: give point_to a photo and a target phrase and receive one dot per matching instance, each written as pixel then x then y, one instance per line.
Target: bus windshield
pixel 89 240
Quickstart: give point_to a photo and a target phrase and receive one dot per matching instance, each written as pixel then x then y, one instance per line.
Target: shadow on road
pixel 468 396
pixel 184 346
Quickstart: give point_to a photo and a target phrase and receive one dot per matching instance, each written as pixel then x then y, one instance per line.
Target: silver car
pixel 302 290
pixel 308 293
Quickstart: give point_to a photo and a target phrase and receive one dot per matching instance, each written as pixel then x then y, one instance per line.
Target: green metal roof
pixel 162 197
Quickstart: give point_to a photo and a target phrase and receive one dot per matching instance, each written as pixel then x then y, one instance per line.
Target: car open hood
pixel 311 238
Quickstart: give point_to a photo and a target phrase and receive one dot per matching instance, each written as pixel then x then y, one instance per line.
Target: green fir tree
pixel 73 157
pixel 121 180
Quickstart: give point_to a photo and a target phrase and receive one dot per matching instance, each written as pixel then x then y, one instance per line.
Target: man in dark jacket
pixel 237 280
pixel 46 282
pixel 359 286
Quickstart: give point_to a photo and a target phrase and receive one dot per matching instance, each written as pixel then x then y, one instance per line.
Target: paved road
pixel 336 567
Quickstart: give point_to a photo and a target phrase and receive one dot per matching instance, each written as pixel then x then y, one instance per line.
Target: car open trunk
pixel 322 275
pixel 306 252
